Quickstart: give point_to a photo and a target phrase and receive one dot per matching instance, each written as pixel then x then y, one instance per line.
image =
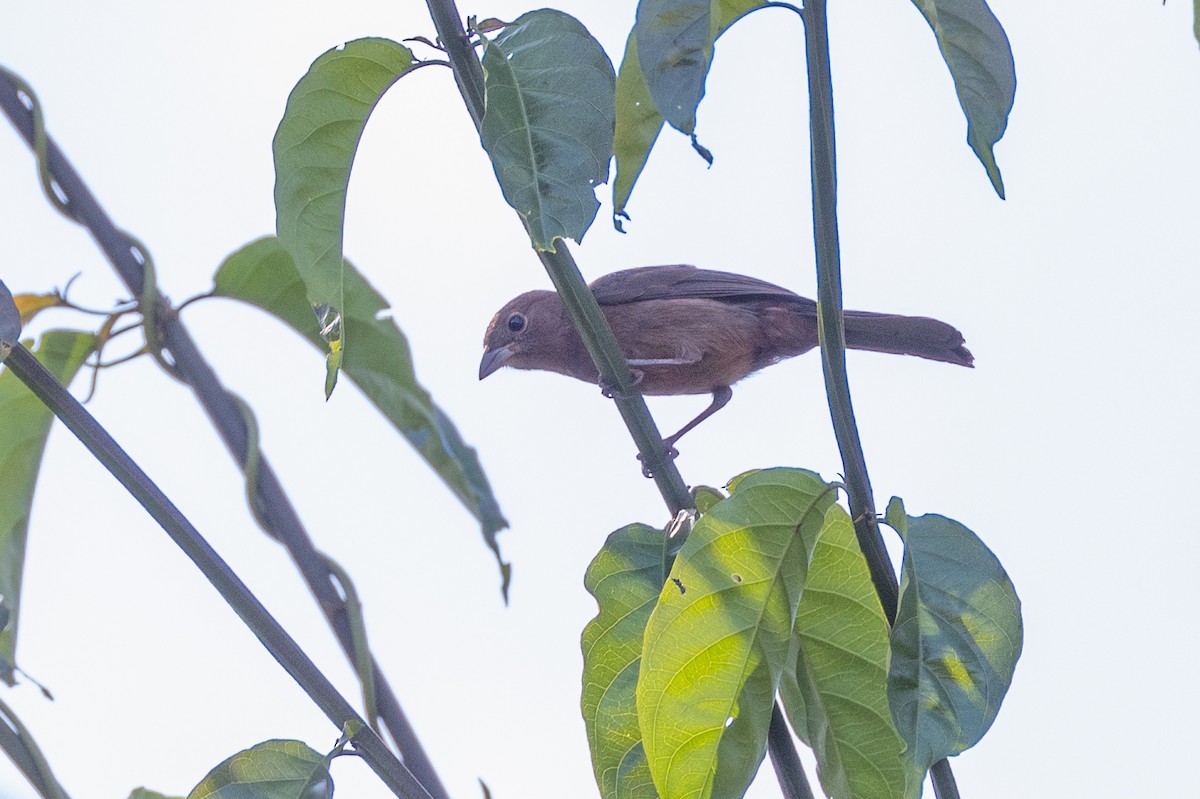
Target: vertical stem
pixel 833 331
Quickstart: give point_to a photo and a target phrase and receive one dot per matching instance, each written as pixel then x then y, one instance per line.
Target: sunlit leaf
pixel 380 364
pixel 718 639
pixel 836 696
pixel 956 639
pixel 625 578
pixel 24 426
pixel 548 127
pixel 977 52
pixel 269 770
pixel 30 305
pixel 314 150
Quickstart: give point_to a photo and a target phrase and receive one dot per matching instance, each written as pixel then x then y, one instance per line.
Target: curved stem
pixel 832 330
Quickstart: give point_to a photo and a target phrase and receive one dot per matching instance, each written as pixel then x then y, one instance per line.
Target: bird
pixel 687 330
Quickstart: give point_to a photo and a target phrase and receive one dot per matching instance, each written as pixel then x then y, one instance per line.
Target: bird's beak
pixel 493 360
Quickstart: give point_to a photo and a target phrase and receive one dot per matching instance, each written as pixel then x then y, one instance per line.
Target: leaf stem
pixel 832 329
pixel 272 635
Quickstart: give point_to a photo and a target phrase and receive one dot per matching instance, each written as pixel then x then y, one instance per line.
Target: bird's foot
pixel 615 392
pixel 671 454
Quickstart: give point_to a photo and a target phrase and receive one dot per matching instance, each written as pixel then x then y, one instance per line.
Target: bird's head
pixel 527 333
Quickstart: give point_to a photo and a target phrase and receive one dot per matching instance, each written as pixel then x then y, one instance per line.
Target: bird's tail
pixel 906 335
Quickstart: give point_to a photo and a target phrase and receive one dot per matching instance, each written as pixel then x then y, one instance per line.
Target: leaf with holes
pixel 548 127
pixel 314 150
pixel 380 364
pixel 980 59
pixel 625 578
pixel 270 770
pixel 956 639
pixel 718 639
pixel 22 442
pixel 836 694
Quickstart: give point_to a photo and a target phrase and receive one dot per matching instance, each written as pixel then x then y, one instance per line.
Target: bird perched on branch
pixel 685 330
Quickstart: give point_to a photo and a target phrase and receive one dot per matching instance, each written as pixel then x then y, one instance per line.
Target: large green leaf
pixel 956 639
pixel 625 577
pixel 380 364
pixel 270 770
pixel 663 76
pixel 548 124
pixel 836 696
pixel 977 52
pixel 718 639
pixel 314 150
pixel 24 426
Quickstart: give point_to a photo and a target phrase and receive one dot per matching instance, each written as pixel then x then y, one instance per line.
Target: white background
pixel 1071 449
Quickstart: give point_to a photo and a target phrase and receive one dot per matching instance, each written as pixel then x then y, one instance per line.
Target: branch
pixel 252 612
pixel 833 333
pixel 572 288
pixel 222 409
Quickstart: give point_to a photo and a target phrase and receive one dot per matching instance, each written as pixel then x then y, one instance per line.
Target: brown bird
pixel 685 330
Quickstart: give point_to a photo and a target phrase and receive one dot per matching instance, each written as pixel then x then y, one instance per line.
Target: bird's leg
pixel 721 396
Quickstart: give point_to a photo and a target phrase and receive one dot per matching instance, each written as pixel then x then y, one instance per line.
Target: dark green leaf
pixel 548 127
pixel 956 639
pixel 314 150
pixel 836 697
pixel 625 578
pixel 380 364
pixel 718 639
pixel 663 77
pixel 976 50
pixel 22 442
pixel 269 770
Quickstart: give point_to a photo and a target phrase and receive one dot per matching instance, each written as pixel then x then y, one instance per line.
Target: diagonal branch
pixel 189 365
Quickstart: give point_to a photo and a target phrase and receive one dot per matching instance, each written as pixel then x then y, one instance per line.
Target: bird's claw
pixel 613 392
pixel 671 454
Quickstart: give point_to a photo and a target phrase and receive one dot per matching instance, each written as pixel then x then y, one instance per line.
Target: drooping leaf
pixel 977 52
pixel 625 578
pixel 718 639
pixel 24 426
pixel 667 58
pixel 836 696
pixel 956 639
pixel 548 127
pixel 269 770
pixel 314 150
pixel 380 364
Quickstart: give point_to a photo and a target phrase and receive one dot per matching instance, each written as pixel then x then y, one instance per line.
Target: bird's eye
pixel 516 322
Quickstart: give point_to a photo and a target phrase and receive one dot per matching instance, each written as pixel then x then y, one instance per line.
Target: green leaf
pixel 625 578
pixel 22 442
pixel 548 127
pixel 145 793
pixel 836 696
pixel 269 770
pixel 977 52
pixel 956 639
pixel 663 77
pixel 380 364
pixel 314 150
pixel 718 640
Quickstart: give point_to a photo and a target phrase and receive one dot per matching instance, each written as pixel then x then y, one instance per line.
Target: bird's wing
pixel 682 282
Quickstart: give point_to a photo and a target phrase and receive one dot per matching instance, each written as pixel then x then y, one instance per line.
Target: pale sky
pixel 1069 449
